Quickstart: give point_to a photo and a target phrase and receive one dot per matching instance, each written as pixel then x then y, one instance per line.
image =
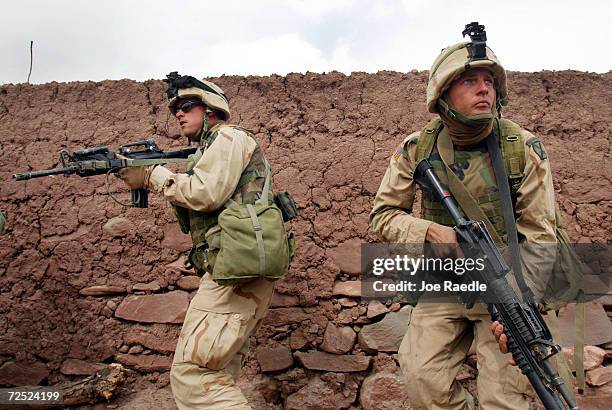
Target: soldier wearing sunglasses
pixel 229 165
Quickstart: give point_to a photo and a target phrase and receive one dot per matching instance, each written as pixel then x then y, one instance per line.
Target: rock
pixel 272 359
pixel 162 342
pixel 107 312
pixel 315 360
pixel 146 287
pixel 297 340
pixel 384 391
pixel 145 364
pixel 136 349
pixel 596 398
pixel 347 256
pixel 117 227
pixel 292 381
pixel 350 288
pixel 179 267
pixel 329 391
pixel 386 335
pixel 375 309
pixel 348 316
pixel 395 307
pixel 383 361
pixel 284 316
pixel 163 308
pixel 593 357
pixel 102 290
pixel 190 282
pixel 76 367
pixel 347 302
pixel 599 376
pixel 22 374
pixel 175 239
pixel 598 329
pixel 124 349
pixel 338 340
pixel 259 390
pixel 280 300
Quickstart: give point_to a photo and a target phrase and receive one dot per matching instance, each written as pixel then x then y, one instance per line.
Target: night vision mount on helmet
pixel 183 86
pixel 478 48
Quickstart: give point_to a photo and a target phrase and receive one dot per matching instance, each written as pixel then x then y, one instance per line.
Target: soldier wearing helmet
pixel 467 90
pixel 229 165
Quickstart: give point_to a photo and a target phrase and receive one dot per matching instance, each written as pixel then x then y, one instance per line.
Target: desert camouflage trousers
pixel 434 348
pixel 213 342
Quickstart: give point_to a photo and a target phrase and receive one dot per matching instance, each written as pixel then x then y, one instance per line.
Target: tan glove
pixel 136 177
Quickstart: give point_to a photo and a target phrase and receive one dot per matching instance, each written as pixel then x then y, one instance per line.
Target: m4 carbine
pixel 101 160
pixel 529 338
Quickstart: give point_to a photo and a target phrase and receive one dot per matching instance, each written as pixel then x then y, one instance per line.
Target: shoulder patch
pixel 538 147
pixel 397 152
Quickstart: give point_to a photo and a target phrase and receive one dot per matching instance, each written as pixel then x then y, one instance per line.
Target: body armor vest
pixel 247 191
pixel 474 168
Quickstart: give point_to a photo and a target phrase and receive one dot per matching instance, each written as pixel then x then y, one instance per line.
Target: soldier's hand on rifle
pixel 135 177
pixel 502 340
pixel 445 239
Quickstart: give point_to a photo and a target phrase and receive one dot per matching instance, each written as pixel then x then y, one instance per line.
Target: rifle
pixel 101 160
pixel 529 338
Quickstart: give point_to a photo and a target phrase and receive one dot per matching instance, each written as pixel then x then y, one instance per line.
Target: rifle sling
pixel 472 209
pixel 508 210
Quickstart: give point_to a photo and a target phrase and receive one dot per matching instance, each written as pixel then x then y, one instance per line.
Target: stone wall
pixel 85 281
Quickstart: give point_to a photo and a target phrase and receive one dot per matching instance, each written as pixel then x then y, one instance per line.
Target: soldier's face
pixel 473 92
pixel 192 120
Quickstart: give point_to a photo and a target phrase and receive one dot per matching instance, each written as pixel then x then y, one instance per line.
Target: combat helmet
pixel 458 58
pixel 187 86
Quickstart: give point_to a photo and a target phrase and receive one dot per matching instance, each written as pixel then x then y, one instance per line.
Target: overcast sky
pixel 112 39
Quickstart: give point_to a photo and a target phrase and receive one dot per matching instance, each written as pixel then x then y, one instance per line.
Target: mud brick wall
pixel 85 281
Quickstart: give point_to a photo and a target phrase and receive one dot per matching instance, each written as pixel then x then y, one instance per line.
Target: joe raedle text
pixel 399 274
pixel 424 286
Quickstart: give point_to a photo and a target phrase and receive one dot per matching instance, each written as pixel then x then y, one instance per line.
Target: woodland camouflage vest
pixel 479 178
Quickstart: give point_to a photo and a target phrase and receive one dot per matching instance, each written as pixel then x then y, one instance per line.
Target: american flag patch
pixel 397 152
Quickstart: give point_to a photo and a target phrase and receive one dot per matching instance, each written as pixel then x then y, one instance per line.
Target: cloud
pixel 279 55
pixel 101 39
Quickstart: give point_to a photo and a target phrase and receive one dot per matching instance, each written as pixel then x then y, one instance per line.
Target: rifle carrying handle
pixel 140 198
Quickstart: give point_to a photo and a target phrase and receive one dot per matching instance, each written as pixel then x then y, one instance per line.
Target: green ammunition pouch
pixel 249 242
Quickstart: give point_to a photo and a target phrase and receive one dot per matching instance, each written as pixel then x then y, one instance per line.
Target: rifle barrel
pixel 43 173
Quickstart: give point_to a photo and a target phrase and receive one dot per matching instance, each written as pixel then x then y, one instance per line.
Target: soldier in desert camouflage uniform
pixel 220 319
pixel 467 95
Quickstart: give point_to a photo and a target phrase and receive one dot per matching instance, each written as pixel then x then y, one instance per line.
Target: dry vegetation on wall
pixel 85 281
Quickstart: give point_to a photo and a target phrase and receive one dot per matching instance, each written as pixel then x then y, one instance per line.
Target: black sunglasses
pixel 185 107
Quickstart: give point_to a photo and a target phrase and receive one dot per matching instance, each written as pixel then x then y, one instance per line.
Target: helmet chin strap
pixel 199 136
pixel 473 121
